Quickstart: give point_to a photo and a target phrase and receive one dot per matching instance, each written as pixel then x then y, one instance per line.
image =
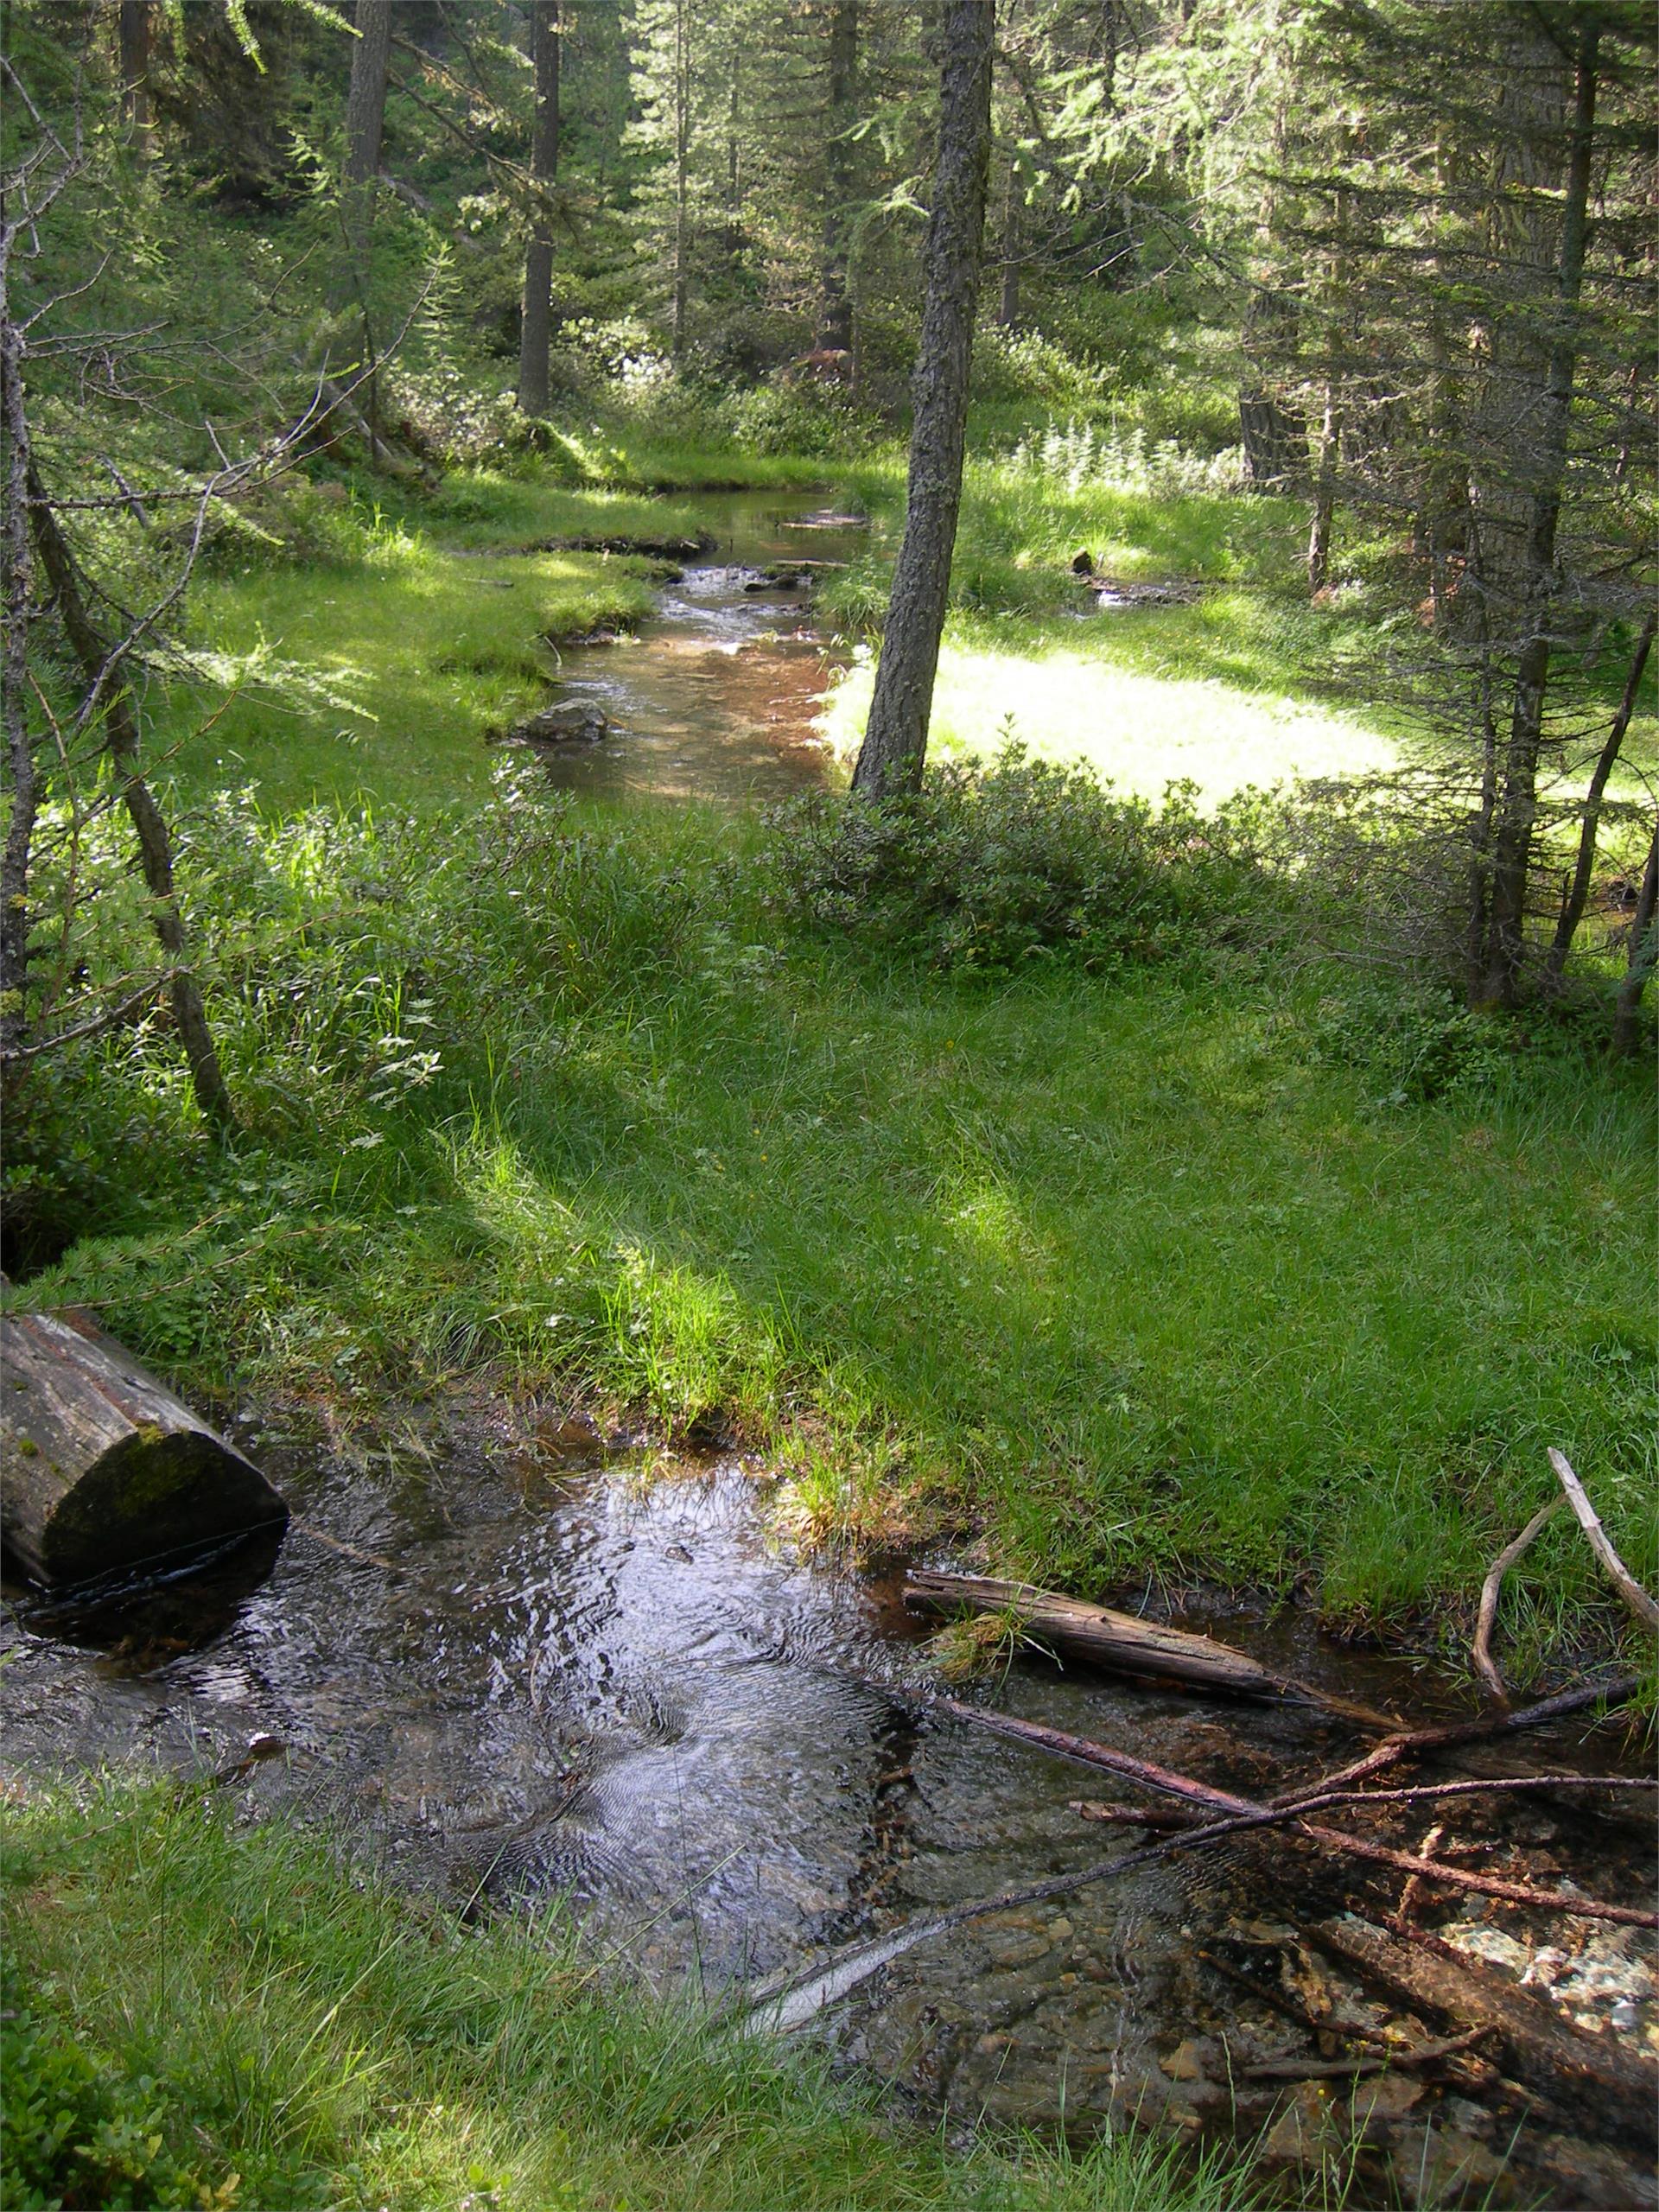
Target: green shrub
pixel 79 2129
pixel 1414 1042
pixel 986 870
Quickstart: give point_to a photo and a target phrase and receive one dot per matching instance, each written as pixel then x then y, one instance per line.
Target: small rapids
pixel 717 694
pixel 517 1669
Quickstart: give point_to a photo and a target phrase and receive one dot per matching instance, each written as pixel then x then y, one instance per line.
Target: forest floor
pixel 1255 1268
pixel 1235 1268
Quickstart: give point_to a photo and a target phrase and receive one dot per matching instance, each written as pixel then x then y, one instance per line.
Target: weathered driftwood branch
pixel 1635 1597
pixel 1481 1651
pixel 1543 2051
pixel 1288 1814
pixel 1108 1638
pixel 102 1468
pixel 1423 1743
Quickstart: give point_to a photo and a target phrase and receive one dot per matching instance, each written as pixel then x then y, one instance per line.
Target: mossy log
pixel 1120 1642
pixel 102 1468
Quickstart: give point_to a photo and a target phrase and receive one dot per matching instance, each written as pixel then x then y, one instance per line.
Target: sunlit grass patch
pixel 1141 729
pixel 422 661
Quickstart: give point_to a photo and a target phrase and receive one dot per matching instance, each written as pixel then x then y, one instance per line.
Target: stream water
pixel 514 1668
pixel 716 695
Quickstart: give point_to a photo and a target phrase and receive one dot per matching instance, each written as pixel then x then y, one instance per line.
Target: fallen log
pixel 1119 1641
pixel 102 1468
pixel 1545 2052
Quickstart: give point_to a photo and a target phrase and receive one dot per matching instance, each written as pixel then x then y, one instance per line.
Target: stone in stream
pixel 574 722
pixel 102 1468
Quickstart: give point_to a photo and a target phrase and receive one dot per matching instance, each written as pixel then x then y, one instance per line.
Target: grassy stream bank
pixel 1201 1263
pixel 203 2014
pixel 1197 1258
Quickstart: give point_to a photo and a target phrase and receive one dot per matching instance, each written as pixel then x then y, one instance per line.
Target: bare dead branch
pixel 1635 1597
pixel 1481 1652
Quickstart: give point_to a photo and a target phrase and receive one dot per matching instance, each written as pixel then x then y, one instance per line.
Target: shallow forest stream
pixel 514 1668
pixel 715 696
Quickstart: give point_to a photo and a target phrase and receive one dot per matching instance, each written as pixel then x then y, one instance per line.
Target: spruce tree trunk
pixel 366 105
pixel 895 742
pixel 366 109
pixel 134 34
pixel 681 300
pixel 1644 949
pixel 1325 490
pixel 1007 294
pixel 1578 895
pixel 1545 434
pixel 836 314
pixel 1329 458
pixel 15 573
pixel 536 332
pixel 734 167
pixel 92 651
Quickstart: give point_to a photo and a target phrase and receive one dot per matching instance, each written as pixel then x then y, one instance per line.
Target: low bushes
pixel 1027 860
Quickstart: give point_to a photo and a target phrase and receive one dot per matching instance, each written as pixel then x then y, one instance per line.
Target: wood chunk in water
pixel 1119 1641
pixel 1544 2051
pixel 102 1468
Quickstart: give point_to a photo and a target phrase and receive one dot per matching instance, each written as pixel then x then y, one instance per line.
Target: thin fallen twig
pixel 1244 1812
pixel 1168 1815
pixel 1481 1651
pixel 1372 2062
pixel 1416 1743
pixel 1635 1597
pixel 347 1551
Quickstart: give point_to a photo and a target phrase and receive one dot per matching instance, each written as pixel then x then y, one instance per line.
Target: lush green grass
pixel 199 2013
pixel 1157 1268
pixel 1247 683
pixel 383 668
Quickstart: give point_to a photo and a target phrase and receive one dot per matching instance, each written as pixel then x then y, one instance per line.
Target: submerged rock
pixel 576 722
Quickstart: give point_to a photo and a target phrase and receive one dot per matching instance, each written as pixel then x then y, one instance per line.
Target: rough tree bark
pixel 365 104
pixel 93 652
pixel 680 302
pixel 1329 454
pixel 835 312
pixel 1579 891
pixel 1008 290
pixel 895 742
pixel 14 666
pixel 1644 954
pixel 366 109
pixel 535 336
pixel 134 32
pixel 1546 433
